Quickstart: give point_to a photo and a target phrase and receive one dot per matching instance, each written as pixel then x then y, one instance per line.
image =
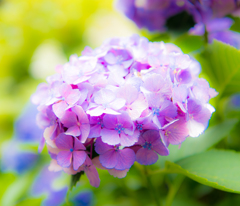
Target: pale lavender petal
pixel 137 107
pixel 141 140
pixel 110 137
pixel 126 159
pixel 219 24
pixel 185 77
pixel 93 176
pixel 69 119
pixel 82 116
pixel 101 147
pixel 110 58
pixel 64 141
pixel 85 129
pixel 78 145
pixel 129 140
pixel 129 93
pixel 65 89
pixel 97 163
pixel 146 157
pixel 81 79
pixel 109 159
pixel 74 131
pixel 151 136
pixel 126 121
pixel 194 106
pixel 177 132
pixel 198 29
pixel 73 97
pixel 79 158
pixel 64 158
pixel 60 108
pixel 118 173
pixel 195 128
pixel 110 121
pixel 97 111
pixel 117 104
pixel 110 111
pixel 203 116
pixel 160 148
pixel 168 109
pixel 49 132
pixel 95 131
pixel 104 96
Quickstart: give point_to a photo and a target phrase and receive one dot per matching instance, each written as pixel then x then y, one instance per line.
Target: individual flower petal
pixel 126 159
pixel 109 159
pixel 64 158
pixel 79 158
pixel 146 157
pixel 64 141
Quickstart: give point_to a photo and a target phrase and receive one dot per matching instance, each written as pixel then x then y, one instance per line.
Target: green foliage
pixel 189 43
pixel 75 178
pixel 30 201
pixel 221 62
pixel 216 168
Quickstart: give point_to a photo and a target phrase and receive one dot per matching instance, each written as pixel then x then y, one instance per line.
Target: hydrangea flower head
pixel 203 16
pixel 130 100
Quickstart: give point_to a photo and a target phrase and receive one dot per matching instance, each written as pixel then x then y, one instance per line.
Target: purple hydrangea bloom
pixel 151 14
pixel 218 28
pixel 133 100
pixel 154 14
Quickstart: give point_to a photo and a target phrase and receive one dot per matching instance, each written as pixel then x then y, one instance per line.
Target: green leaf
pixel 216 168
pixel 17 189
pixel 189 43
pixel 75 178
pixel 221 62
pixel 30 201
pixel 196 145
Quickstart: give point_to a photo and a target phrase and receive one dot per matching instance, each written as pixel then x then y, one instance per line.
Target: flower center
pixel 139 127
pixel 147 145
pixel 167 133
pixel 119 128
pixel 100 122
pixel 71 150
pixel 155 111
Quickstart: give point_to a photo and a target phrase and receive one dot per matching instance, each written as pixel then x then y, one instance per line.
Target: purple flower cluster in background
pixel 14 158
pixel 126 101
pixel 207 15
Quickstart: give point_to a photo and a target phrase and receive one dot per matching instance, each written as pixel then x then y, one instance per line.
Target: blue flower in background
pixel 84 198
pixel 16 160
pixel 44 184
pixel 235 101
pixel 25 128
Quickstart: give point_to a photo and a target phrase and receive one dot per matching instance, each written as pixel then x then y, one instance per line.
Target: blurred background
pixel 35 36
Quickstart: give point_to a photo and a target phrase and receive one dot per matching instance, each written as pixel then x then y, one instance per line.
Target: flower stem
pixel 151 187
pixel 173 189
